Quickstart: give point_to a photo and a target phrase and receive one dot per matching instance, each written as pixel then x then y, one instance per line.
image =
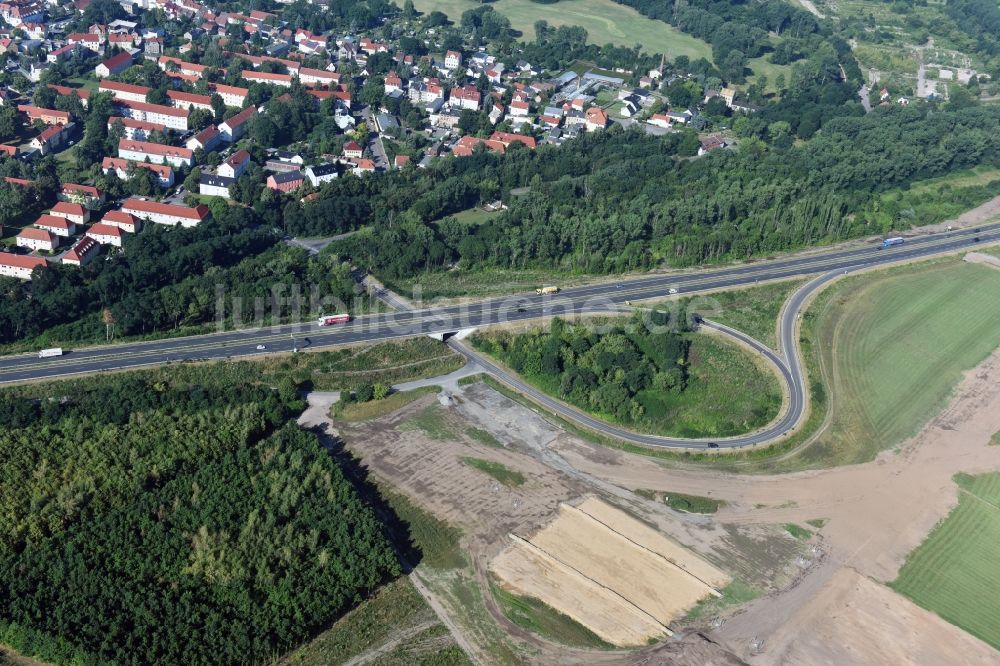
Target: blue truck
pixel 889 242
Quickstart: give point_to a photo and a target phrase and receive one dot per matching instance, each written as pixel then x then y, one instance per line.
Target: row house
pixel 186 100
pixel 126 92
pixel 155 153
pixel 170 117
pixel 231 95
pixel 169 214
pixel 66 91
pixel 19 266
pixel 85 195
pixel 122 220
pixel 168 64
pixel 283 80
pixel 47 116
pixel 124 169
pixel 136 130
pixel 320 77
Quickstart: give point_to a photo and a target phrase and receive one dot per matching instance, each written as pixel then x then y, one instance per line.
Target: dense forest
pixel 603 371
pixel 620 200
pixel 150 520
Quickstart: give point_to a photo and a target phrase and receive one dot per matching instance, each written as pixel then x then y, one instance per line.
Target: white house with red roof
pixel 155 153
pixel 233 128
pixel 83 252
pixel 106 234
pixel 114 65
pixel 124 169
pixel 59 226
pixel 37 239
pixel 235 165
pixel 207 139
pixel 122 220
pixel 18 265
pixel 73 212
pixel 125 91
pixel 168 214
pixel 352 150
pixel 88 195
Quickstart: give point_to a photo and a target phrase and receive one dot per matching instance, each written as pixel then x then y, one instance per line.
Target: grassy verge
pixel 540 618
pixel 797 531
pixel 498 471
pixel 397 609
pixel 734 594
pixel 753 311
pixel 437 541
pixel 954 573
pixel 460 283
pixel 692 503
pixel 373 409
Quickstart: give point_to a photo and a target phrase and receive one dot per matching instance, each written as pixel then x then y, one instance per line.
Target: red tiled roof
pixel 241 117
pixel 115 86
pixel 118 217
pixel 155 149
pixel 101 229
pixel 199 212
pixel 162 170
pixel 189 98
pixel 53 221
pixel 21 261
pixel 153 108
pixel 36 234
pixel 68 208
pixel 116 61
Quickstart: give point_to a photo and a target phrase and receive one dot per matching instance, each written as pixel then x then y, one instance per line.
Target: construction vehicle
pixel 547 290
pixel 330 320
pixel 49 353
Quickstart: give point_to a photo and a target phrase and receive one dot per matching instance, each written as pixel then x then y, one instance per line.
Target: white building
pixel 155 153
pixel 18 265
pixel 168 214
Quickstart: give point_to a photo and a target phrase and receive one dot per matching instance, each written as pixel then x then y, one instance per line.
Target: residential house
pixel 66 91
pixel 234 128
pixel 452 60
pixel 136 130
pixel 116 64
pixel 47 116
pixel 37 239
pixel 122 220
pixel 287 181
pixel 235 165
pixel 55 225
pixel 172 118
pixel 207 139
pixel 124 169
pixel 73 212
pixel 82 253
pixel 168 214
pixel 322 77
pixel 466 97
pixel 710 143
pixel 596 118
pixel 9 151
pixel 215 185
pixel 362 167
pixel 86 40
pixel 400 161
pixel 106 234
pixel 352 150
pixel 507 138
pixel 18 265
pixel 86 195
pixel 320 173
pixel 155 153
pixel 52 139
pixel 186 100
pixel 283 80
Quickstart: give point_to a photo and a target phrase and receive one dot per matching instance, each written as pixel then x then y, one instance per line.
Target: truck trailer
pixel 889 242
pixel 547 290
pixel 330 320
pixel 49 353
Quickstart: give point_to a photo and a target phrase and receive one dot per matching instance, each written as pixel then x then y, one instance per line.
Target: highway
pixel 585 299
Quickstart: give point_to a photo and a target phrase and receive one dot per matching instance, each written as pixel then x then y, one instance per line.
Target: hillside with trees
pixel 152 520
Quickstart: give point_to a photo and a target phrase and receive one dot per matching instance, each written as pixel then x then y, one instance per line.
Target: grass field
pixel 498 471
pixel 893 345
pixel 538 617
pixel 954 572
pixel 604 20
pixel 437 540
pixel 797 531
pixel 692 503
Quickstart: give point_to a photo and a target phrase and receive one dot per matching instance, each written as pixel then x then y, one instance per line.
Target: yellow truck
pixel 547 290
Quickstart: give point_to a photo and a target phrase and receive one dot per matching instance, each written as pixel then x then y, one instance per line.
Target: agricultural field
pixel 605 21
pixel 954 572
pixel 893 345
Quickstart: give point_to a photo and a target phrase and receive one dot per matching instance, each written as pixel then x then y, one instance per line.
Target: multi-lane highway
pixel 590 298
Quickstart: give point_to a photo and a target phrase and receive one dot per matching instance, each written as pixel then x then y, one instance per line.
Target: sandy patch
pixel 982 258
pixel 854 620
pixel 624 591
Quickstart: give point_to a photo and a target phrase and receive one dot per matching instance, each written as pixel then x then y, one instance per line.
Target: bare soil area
pixel 585 565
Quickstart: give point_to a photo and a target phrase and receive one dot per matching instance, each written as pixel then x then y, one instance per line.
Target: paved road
pixel 590 298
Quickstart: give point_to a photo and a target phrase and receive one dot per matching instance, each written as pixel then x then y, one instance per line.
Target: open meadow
pixel 954 572
pixel 893 345
pixel 604 20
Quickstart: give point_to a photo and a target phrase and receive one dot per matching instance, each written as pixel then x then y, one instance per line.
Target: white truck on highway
pixel 49 353
pixel 547 290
